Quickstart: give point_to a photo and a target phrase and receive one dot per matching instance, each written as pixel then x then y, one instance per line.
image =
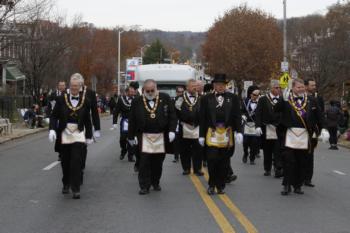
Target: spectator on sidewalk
pixel 33 117
pixel 344 124
pixel 333 119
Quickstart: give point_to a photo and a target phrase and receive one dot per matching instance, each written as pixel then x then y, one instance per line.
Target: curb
pixel 7 139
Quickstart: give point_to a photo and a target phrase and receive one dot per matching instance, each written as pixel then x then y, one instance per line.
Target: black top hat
pixel 219 78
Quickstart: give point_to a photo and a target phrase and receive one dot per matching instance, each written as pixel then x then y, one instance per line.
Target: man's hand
pixel 171 136
pixel 259 131
pixel 324 135
pixel 133 142
pixel 239 138
pixel 97 134
pixel 201 141
pixel 52 135
pixel 89 141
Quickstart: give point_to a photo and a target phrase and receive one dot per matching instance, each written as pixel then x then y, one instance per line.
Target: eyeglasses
pixel 255 94
pixel 150 91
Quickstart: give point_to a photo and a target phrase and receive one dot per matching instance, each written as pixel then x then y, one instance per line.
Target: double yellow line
pixel 219 217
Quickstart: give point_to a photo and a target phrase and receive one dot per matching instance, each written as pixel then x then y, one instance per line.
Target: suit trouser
pixel 71 161
pixel 124 145
pixel 294 167
pixel 310 161
pixel 150 169
pixel 251 143
pixel 333 132
pixel 190 150
pixel 272 154
pixel 218 162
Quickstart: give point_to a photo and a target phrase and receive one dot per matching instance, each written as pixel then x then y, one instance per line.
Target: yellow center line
pixel 248 226
pixel 219 217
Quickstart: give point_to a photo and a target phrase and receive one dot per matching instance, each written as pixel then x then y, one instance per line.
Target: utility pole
pixel 285 31
pixel 119 33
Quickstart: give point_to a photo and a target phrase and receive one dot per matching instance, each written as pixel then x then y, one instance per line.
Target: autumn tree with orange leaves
pixel 246 44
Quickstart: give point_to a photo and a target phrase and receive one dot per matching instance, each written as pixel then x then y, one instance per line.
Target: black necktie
pixel 298 98
pixel 219 94
pixel 75 98
pixel 275 98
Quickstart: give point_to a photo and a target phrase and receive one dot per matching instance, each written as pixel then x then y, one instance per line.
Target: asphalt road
pixel 31 199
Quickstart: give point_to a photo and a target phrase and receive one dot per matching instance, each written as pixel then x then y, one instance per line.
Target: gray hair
pixel 191 81
pixel 274 83
pixel 150 81
pixel 297 80
pixel 77 77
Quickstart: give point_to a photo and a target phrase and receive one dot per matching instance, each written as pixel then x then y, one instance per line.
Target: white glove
pixel 133 142
pixel 201 141
pixel 97 134
pixel 244 118
pixel 259 131
pixel 115 126
pixel 171 136
pixel 239 138
pixel 325 135
pixel 286 94
pixel 89 141
pixel 52 135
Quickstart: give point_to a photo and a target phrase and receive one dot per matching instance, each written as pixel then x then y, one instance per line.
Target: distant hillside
pixel 186 42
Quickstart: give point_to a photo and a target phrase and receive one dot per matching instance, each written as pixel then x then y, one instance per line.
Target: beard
pixel 150 96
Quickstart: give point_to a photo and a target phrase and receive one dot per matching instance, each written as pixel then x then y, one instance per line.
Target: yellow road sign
pixel 284 80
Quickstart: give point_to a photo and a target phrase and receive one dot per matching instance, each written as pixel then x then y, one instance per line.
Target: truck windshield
pixel 169 89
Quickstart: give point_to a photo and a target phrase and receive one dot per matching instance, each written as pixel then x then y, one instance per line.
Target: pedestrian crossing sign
pixel 284 80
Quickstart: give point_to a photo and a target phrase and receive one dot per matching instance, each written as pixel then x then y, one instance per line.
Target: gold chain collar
pixel 70 106
pixel 292 102
pixel 188 102
pixel 153 110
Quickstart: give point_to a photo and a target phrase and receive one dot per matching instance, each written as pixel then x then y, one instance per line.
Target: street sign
pixel 247 84
pixel 284 66
pixel 284 80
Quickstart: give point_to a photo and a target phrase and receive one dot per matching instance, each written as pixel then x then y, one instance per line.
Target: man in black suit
pixel 90 95
pixel 187 108
pixel 301 119
pixel 268 125
pixel 113 102
pixel 220 117
pixel 152 124
pixel 61 90
pixel 251 141
pixel 71 117
pixel 123 109
pixel 311 89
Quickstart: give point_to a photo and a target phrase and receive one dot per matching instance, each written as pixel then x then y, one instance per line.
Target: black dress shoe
pixel 230 179
pixel 136 169
pixel 144 191
pixel 309 184
pixel 267 173
pixel 298 191
pixel 221 192
pixel 76 195
pixel 131 160
pixel 186 172
pixel 278 173
pixel 211 191
pixel 157 188
pixel 122 155
pixel 65 189
pixel 245 159
pixel 286 190
pixel 199 173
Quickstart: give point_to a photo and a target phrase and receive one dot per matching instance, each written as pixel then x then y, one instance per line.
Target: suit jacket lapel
pixel 212 108
pixel 228 108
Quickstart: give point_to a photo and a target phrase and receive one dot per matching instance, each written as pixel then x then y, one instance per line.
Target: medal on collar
pixel 70 106
pixel 188 102
pixel 152 111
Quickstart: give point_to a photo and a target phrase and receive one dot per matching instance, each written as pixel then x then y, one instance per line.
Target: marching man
pixel 71 118
pixel 301 119
pixel 152 125
pixel 220 117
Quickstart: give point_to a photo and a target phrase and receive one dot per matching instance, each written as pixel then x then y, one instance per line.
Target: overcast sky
pixel 177 15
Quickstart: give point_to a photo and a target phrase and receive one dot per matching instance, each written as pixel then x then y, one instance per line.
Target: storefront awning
pixel 13 74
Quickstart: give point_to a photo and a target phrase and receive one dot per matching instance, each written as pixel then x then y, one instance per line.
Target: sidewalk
pixel 20 131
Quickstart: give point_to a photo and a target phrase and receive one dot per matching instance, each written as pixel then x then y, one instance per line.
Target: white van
pixel 167 76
